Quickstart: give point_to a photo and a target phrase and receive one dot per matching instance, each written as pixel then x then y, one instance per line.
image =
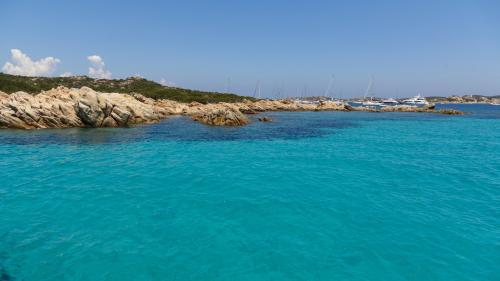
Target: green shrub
pixel 34 85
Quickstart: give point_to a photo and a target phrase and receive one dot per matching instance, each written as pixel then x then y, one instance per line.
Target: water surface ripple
pixel 311 196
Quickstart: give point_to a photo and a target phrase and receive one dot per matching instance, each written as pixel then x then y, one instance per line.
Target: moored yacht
pixel 416 100
pixel 390 101
pixel 303 101
pixel 372 103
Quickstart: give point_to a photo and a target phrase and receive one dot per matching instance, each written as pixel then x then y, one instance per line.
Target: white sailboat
pixel 257 91
pixel 329 90
pixel 370 102
pixel 228 85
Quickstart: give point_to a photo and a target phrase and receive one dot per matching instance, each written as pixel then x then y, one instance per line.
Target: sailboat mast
pixel 228 85
pixel 369 88
pixel 258 89
pixel 256 92
pixel 330 84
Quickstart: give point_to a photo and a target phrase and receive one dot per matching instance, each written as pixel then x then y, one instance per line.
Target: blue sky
pixel 433 47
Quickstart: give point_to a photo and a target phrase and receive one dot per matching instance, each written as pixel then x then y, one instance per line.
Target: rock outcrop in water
pixel 221 117
pixel 429 109
pixel 64 108
pixel 451 112
pixel 265 119
pixel 407 108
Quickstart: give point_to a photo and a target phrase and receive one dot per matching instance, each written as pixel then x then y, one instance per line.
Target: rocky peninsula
pixel 83 107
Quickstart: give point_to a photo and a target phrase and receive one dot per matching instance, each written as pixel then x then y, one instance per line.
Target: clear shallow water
pixel 311 196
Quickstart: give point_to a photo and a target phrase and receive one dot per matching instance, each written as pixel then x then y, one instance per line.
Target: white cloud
pixel 98 68
pixel 66 74
pixel 23 65
pixel 166 83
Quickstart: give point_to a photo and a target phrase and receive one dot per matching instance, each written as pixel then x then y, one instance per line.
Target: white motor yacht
pixel 372 103
pixel 416 100
pixel 390 101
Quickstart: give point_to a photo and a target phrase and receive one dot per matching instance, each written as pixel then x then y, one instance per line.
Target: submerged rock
pixel 265 119
pixel 5 276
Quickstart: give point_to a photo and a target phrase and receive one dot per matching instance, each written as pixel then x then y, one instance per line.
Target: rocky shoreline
pixel 67 108
pixel 467 99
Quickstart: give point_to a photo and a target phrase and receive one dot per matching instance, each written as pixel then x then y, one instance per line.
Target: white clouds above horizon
pixel 166 83
pixel 98 68
pixel 66 74
pixel 23 65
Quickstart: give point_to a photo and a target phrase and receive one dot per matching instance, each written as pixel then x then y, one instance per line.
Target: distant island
pixel 466 99
pixel 67 102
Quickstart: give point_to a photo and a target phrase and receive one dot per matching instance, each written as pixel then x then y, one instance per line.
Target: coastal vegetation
pixel 34 85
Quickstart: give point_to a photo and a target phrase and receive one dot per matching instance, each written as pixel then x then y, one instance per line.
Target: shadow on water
pixel 5 276
pixel 285 125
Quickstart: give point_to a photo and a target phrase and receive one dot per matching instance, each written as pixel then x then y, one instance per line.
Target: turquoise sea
pixel 310 196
